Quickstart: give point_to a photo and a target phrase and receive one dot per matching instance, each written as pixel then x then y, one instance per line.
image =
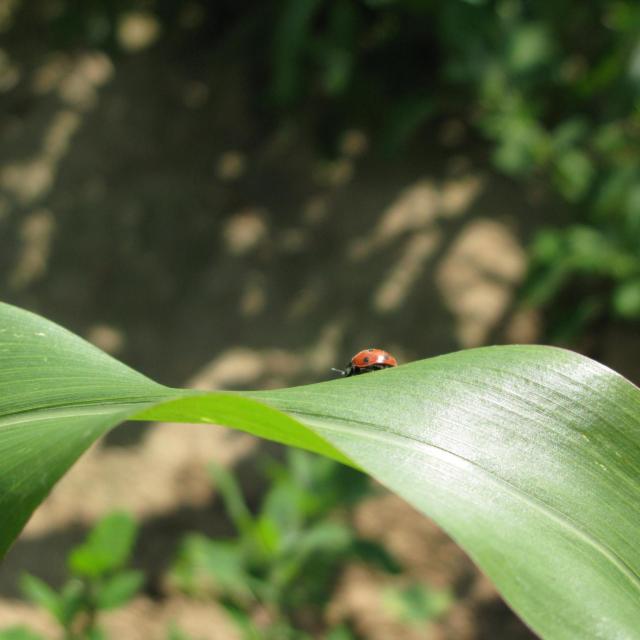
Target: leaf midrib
pixel 58 411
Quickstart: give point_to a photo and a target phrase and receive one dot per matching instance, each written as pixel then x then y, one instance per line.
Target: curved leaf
pixel 528 456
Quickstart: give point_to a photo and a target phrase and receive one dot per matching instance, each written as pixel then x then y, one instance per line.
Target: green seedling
pixel 417 604
pixel 174 632
pixel 279 572
pixel 99 581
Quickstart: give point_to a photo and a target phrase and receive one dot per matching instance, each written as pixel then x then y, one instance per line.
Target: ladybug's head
pixel 350 370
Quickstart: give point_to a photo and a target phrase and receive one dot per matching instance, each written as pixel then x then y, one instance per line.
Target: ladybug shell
pixel 370 359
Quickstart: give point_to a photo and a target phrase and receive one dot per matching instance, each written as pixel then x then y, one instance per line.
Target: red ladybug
pixel 368 360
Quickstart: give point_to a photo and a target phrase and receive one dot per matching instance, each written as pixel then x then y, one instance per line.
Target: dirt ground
pixel 145 206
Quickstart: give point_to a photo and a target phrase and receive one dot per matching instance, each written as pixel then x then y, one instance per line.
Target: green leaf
pixel 375 554
pixel 175 633
pixel 40 593
pixel 96 633
pixel 242 619
pixel 417 603
pixel 211 567
pixel 236 507
pixel 119 589
pixel 528 456
pixel 574 172
pixel 73 599
pixel 626 299
pixel 292 35
pixel 529 47
pixel 63 606
pixel 19 633
pixel 317 551
pixel 107 548
pixel 282 506
pixel 340 633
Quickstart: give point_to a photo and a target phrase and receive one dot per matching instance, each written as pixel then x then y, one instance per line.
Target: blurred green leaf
pixel 574 173
pixel 405 118
pixel 241 617
pixel 591 251
pixel 334 52
pixel 229 489
pixel 626 299
pixel 175 633
pixel 375 554
pixel 290 38
pixel 118 589
pixel 417 603
pixel 283 507
pixel 610 137
pixel 573 321
pixel 632 213
pixel 530 46
pixel 19 633
pixel 548 245
pixel 341 633
pixel 333 537
pixel 40 593
pixel 96 633
pixel 522 143
pixel 610 198
pixel 216 567
pixel 545 283
pixel 267 538
pixel 107 547
pixel 315 551
pixel 73 598
pixel 569 133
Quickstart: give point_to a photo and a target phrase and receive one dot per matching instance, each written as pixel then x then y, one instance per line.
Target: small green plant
pixel 417 604
pixel 98 582
pixel 278 573
pixel 582 275
pixel 175 633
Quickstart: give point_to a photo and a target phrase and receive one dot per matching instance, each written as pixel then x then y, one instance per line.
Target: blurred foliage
pixel 175 633
pixel 417 603
pixel 554 85
pixel 18 633
pixel 99 581
pixel 278 574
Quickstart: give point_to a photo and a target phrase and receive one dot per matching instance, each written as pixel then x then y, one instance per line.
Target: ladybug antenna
pixel 342 372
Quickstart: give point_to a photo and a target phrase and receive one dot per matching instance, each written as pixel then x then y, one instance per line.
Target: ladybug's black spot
pixel 366 359
pixel 385 357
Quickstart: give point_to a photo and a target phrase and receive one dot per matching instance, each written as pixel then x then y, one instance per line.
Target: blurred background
pixel 242 194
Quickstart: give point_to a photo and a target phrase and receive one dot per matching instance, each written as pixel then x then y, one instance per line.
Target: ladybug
pixel 368 360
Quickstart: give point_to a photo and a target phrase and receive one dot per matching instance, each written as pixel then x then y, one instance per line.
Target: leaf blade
pixel 528 456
